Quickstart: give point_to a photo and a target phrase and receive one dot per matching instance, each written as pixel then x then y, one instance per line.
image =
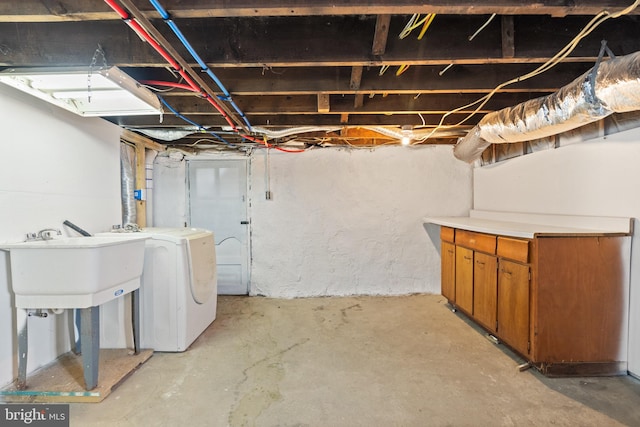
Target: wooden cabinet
pixel 485 292
pixel 448 258
pixel 464 279
pixel 559 301
pixel 513 305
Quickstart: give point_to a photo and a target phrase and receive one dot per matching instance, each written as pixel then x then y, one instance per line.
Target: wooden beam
pixel 136 139
pixel 286 42
pixel 67 10
pixel 424 79
pixel 508 37
pixel 292 120
pixel 432 103
pixel 381 34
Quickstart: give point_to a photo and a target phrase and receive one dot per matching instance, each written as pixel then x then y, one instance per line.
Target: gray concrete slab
pixel 353 361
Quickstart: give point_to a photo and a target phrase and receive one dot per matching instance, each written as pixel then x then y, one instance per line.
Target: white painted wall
pixel 597 177
pixel 341 222
pixel 53 166
pixel 345 222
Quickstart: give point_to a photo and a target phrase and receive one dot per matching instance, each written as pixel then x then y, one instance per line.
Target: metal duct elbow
pixel 615 88
pixel 471 146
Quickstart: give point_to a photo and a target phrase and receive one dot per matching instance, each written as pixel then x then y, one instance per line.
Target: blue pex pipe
pixel 200 127
pixel 174 27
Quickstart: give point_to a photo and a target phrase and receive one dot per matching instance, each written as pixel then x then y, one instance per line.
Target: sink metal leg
pixel 90 339
pixel 135 320
pixel 73 323
pixel 22 320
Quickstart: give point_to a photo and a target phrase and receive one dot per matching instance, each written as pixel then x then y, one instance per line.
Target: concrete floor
pixel 357 361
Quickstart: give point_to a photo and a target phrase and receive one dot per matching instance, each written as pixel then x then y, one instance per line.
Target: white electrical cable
pixel 473 36
pixel 557 58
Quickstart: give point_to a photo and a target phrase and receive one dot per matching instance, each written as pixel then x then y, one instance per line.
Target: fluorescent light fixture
pixel 103 92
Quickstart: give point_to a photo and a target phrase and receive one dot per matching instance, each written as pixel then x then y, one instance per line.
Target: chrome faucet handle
pixel 46 233
pixel 31 236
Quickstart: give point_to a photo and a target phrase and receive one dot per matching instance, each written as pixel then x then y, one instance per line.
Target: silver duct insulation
pixel 615 88
pixel 127 184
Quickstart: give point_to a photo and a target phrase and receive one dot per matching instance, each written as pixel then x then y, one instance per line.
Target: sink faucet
pixel 44 234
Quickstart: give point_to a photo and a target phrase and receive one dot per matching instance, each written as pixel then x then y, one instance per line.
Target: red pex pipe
pixel 135 26
pixel 145 35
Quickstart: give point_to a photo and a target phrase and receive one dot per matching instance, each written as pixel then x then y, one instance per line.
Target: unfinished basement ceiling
pixel 316 71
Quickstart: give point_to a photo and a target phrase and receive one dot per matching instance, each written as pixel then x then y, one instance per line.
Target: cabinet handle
pixel 467 258
pixel 508 273
pixel 450 251
pixel 480 262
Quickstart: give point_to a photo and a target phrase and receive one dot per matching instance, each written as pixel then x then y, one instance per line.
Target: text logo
pixel 34 415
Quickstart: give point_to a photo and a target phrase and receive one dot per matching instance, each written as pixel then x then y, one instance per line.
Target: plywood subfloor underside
pixel 63 380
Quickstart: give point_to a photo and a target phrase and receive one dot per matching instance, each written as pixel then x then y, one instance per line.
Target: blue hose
pixel 227 96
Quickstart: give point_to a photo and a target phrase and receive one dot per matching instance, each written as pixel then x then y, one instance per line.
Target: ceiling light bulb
pixel 407 134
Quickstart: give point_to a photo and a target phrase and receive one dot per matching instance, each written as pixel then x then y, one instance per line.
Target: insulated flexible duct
pixel 127 184
pixel 611 87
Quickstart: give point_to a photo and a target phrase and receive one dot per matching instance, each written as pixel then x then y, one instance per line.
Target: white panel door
pixel 217 192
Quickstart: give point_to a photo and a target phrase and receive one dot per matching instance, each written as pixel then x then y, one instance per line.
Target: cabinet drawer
pixel 447 234
pixel 476 241
pixel 515 249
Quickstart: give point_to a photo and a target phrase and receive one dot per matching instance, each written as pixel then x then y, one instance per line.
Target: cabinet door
pixel 464 279
pixel 485 290
pixel 448 281
pixel 513 305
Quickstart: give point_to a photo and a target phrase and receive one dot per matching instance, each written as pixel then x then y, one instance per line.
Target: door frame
pixel 225 157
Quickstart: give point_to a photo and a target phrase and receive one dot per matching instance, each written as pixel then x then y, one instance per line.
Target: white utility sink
pixel 74 272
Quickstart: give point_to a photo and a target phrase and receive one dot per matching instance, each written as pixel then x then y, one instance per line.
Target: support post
pixel 135 319
pixel 23 347
pixel 90 333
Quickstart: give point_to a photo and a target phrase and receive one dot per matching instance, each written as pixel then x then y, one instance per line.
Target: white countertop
pixel 532 225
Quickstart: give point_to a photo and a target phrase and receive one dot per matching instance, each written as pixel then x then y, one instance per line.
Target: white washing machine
pixel 178 290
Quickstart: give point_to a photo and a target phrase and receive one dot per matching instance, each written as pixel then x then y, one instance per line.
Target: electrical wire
pixel 199 126
pixel 174 27
pixel 482 27
pixel 172 85
pixel 556 59
pixel 427 23
pixel 413 23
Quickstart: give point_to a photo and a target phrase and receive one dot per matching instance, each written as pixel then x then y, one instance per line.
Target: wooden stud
pixel 381 34
pixel 358 102
pixel 356 77
pixel 323 103
pixel 141 184
pixel 508 37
